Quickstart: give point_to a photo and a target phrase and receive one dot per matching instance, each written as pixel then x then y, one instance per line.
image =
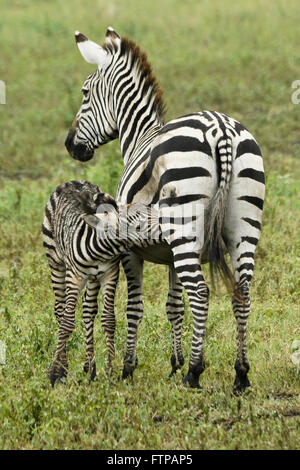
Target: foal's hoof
pixel 176 364
pixel 191 381
pixel 93 373
pixel 172 373
pixel 127 372
pixel 90 369
pixel 57 375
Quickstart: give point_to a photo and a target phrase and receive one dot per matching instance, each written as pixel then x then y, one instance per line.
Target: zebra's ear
pixel 91 51
pixel 91 220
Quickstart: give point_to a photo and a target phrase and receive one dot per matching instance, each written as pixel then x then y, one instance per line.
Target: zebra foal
pixel 204 158
pixel 84 232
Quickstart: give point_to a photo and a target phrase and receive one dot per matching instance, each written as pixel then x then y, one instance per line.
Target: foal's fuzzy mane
pixel 139 58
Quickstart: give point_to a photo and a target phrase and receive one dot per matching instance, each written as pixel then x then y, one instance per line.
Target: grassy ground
pixel 235 57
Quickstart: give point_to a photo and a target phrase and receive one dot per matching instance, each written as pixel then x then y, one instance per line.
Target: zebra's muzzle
pixel 78 151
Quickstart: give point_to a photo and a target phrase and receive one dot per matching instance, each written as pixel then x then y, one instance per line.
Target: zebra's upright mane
pixel 140 60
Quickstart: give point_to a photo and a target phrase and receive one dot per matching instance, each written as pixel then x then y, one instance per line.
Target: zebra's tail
pixel 214 245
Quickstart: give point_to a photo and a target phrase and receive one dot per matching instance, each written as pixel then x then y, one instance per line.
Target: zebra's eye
pixel 85 91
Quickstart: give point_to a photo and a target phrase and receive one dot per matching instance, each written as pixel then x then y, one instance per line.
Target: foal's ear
pixel 91 220
pixel 111 35
pixel 91 51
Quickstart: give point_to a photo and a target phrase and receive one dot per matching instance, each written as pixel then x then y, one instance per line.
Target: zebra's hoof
pixel 174 370
pixel 191 381
pixel 241 384
pixel 93 373
pixel 127 372
pixel 176 364
pixel 87 368
pixel 172 373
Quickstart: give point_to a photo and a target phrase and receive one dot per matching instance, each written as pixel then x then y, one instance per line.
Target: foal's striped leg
pixel 188 269
pixel 108 321
pixel 59 367
pixel 175 312
pixel 90 310
pixel 133 267
pixel 58 279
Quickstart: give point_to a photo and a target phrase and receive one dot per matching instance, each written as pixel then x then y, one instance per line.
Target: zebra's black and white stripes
pixel 204 158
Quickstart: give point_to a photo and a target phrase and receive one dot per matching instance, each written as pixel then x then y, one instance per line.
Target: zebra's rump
pixel 184 155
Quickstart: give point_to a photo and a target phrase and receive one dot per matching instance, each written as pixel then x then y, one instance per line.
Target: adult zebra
pixel 205 157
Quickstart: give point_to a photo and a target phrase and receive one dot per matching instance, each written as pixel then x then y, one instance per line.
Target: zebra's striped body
pixel 203 158
pixel 79 255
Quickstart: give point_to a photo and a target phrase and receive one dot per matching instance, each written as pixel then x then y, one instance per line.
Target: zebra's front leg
pixel 190 274
pixel 133 268
pixel 59 366
pixel 90 310
pixel 175 313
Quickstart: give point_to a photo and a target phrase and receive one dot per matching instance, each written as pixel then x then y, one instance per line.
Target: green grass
pixel 235 57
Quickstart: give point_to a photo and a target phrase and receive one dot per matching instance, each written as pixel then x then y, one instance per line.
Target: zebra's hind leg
pixel 59 365
pixel 133 267
pixel 241 309
pixel 90 310
pixel 242 257
pixel 175 313
pixel 108 321
pixel 190 274
pixel 242 232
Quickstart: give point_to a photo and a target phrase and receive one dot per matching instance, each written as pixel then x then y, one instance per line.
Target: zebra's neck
pixel 137 118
